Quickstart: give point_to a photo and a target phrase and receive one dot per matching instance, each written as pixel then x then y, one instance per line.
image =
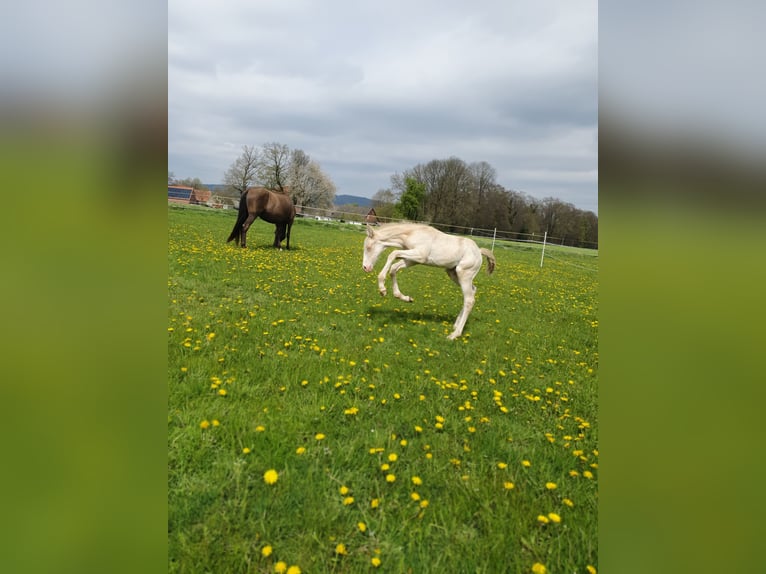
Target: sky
pixel 370 89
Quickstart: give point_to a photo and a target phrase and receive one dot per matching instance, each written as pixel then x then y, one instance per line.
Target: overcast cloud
pixel 371 89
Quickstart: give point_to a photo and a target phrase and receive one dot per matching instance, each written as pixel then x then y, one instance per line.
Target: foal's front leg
pixel 409 257
pixel 394 269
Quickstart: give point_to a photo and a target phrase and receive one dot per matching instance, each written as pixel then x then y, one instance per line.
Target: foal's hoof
pixel 383 292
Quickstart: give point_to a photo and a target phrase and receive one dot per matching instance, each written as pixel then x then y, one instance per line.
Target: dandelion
pixel 415 496
pixel 502 465
pixel 246 450
pixel 222 392
pixel 538 568
pixel 280 567
pixel 260 428
pixel 542 519
pixel 300 450
pixel 374 503
pixel 375 561
pixel 526 464
pixel 551 485
pixel 204 424
pixel 508 485
pixel 266 551
pixel 362 527
pixel 294 570
pixel 590 569
pixel 343 490
pixel 574 473
pixel 341 549
pixel 554 517
pixel 568 502
pixel 587 474
pixel 418 428
pixel 384 467
pixel 216 422
pixel 390 478
pixel 423 503
pixel 348 501
pixel 319 436
pixel 270 476
pixel 392 457
pixel 417 481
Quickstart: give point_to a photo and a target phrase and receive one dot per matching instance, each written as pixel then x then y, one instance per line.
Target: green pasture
pixel 392 448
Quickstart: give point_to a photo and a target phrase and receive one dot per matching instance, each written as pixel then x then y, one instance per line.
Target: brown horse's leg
pixel 289 227
pixel 245 226
pixel 279 234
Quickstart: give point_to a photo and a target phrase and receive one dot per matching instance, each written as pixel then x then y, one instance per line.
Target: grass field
pixel 314 426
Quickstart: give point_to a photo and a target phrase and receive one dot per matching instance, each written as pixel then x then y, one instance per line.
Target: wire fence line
pixel 354 217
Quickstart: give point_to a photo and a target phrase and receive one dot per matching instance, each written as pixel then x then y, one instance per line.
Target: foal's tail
pixel 241 216
pixel 490 260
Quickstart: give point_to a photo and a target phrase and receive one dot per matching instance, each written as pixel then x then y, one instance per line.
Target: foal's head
pixel 372 250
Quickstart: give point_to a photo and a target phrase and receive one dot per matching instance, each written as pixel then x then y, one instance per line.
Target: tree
pixel 243 172
pixel 411 200
pixel 384 203
pixel 309 186
pixel 274 166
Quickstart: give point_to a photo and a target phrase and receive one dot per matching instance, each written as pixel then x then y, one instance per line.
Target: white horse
pixel 416 243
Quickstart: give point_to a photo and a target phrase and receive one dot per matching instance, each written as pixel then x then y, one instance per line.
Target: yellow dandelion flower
pixel 508 485
pixel 568 502
pixel 222 392
pixel 587 474
pixel 527 464
pixel 502 465
pixel 543 519
pixel 390 478
pixel 418 429
pixel 385 466
pixel 374 503
pixel 266 551
pixel 403 442
pixel 574 473
pixel 551 485
pixel 260 428
pixel 319 436
pixel 554 517
pixel 246 450
pixel 362 527
pixel 423 503
pixel 415 496
pixel 343 490
pixel 590 569
pixel 294 570
pixel 280 567
pixel 375 561
pixel 341 549
pixel 348 501
pixel 270 476
pixel 538 568
pixel 216 422
pixel 417 481
pixel 392 457
pixel 300 450
pixel 204 424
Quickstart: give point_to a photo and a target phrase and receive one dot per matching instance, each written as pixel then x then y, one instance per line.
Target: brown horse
pixel 272 207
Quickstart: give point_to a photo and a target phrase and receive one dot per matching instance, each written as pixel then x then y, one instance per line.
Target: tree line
pixel 459 195
pixel 449 192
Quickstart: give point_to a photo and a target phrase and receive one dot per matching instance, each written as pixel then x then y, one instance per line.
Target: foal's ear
pixel 370 232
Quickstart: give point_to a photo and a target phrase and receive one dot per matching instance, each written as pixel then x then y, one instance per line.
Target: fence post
pixel 494 236
pixel 543 253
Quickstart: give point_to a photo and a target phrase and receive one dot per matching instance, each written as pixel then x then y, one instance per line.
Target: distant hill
pixel 348 199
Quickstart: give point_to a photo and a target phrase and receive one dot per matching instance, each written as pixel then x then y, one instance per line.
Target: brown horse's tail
pixel 490 260
pixel 236 233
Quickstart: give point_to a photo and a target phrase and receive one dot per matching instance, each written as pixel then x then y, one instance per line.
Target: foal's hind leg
pixel 464 278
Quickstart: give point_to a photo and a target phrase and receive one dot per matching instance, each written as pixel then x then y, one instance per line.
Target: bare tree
pixel 243 172
pixel 274 166
pixel 309 185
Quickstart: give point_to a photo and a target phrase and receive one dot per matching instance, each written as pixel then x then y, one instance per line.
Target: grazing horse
pixel 416 243
pixel 276 208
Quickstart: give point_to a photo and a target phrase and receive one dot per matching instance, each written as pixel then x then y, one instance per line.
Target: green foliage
pixel 291 361
pixel 411 201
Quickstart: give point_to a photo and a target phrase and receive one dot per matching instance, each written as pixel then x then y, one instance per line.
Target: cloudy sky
pixel 369 89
